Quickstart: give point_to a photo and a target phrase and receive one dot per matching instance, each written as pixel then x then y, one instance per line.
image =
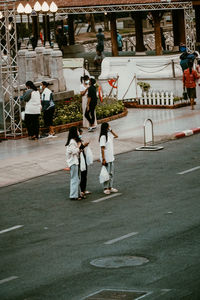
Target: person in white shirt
pixel 107 155
pixel 32 110
pixel 48 108
pixel 84 91
pixel 73 148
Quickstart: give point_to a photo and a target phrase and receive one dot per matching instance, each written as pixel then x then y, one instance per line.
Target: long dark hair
pixel 190 65
pixel 84 78
pixel 104 130
pixel 73 134
pixel 31 85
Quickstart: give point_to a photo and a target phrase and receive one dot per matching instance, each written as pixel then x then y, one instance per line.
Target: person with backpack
pixel 48 108
pixel 189 82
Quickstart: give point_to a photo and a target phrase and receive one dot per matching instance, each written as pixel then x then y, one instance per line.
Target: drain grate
pixel 116 295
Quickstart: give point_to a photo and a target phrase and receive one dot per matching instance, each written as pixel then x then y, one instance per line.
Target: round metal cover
pixel 119 261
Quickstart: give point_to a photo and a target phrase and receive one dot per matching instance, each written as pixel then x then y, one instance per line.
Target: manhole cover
pixel 119 261
pixel 116 295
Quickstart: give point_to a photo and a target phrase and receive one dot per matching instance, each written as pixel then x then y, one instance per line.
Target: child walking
pixel 107 155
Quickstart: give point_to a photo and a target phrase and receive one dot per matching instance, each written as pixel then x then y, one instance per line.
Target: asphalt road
pixel 156 217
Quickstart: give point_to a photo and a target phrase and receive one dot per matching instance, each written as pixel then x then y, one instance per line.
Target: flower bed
pixel 71 111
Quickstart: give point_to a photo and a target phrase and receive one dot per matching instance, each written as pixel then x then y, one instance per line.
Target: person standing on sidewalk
pixel 85 80
pixel 32 110
pixel 48 107
pixel 91 104
pixel 107 155
pixel 72 158
pixel 189 81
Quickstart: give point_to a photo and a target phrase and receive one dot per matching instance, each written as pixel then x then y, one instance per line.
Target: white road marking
pixel 190 170
pixel 120 238
pixel 8 279
pixel 11 228
pixel 107 197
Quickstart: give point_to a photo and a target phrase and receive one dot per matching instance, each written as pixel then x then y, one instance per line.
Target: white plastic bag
pixel 104 176
pixel 82 162
pixel 23 115
pixel 89 155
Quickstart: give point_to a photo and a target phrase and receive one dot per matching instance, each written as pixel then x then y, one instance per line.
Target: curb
pixel 188 132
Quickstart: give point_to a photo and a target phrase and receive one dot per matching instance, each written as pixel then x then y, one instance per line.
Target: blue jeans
pixel 110 168
pixel 74 182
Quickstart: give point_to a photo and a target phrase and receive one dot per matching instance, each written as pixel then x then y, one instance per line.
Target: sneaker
pixel 87 192
pixel 113 190
pixel 90 129
pixel 107 192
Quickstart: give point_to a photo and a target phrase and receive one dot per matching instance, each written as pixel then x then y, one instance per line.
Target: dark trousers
pixel 32 124
pixel 89 114
pixel 83 181
pixel 48 116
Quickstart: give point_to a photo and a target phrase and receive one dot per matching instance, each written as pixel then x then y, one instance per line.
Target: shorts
pixel 191 93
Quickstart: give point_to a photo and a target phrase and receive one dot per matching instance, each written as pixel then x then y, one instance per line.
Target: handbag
pixel 89 156
pixel 82 162
pixel 185 95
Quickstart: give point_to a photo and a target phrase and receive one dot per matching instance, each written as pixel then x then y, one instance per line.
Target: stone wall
pixel 42 64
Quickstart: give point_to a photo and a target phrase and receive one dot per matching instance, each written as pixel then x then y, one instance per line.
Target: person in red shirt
pixel 189 81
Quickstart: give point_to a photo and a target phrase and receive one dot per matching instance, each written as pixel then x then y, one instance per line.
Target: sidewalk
pixel 21 160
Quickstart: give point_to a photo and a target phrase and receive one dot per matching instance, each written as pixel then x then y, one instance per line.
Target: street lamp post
pixel 21 11
pixel 53 10
pixel 28 10
pixel 45 9
pixel 38 8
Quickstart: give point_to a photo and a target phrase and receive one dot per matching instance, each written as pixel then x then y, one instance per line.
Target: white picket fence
pixel 157 98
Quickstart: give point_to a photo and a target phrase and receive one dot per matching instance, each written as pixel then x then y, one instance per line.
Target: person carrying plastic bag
pixel 107 158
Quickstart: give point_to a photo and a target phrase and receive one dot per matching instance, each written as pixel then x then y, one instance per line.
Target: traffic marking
pixel 107 197
pixel 188 171
pixel 11 228
pixel 8 279
pixel 120 238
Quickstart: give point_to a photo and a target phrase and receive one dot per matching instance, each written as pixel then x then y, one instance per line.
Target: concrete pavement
pixel 22 159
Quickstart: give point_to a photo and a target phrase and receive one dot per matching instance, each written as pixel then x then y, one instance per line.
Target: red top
pixel 189 79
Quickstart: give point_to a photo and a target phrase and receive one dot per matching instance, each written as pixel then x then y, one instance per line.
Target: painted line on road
pixel 8 279
pixel 11 228
pixel 190 170
pixel 107 197
pixel 121 238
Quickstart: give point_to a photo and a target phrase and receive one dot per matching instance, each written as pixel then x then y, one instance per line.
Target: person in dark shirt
pixel 91 104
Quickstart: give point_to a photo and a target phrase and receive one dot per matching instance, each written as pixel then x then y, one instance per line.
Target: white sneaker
pixel 113 190
pixel 107 192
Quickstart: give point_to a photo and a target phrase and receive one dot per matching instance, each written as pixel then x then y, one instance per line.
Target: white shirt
pixel 108 151
pixel 72 153
pixel 33 106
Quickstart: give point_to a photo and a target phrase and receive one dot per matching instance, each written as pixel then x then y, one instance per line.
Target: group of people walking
pixel 77 150
pixel 35 103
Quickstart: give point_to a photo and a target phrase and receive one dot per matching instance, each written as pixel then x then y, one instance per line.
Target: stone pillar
pixel 178 27
pixel 71 29
pixel 22 65
pixel 57 69
pixel 113 31
pixel 31 69
pixel 137 16
pixel 157 16
pixel 40 61
pixel 47 61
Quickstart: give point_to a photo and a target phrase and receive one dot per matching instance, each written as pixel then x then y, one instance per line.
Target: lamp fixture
pixel 53 7
pixel 20 9
pixel 45 7
pixel 28 9
pixel 37 7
